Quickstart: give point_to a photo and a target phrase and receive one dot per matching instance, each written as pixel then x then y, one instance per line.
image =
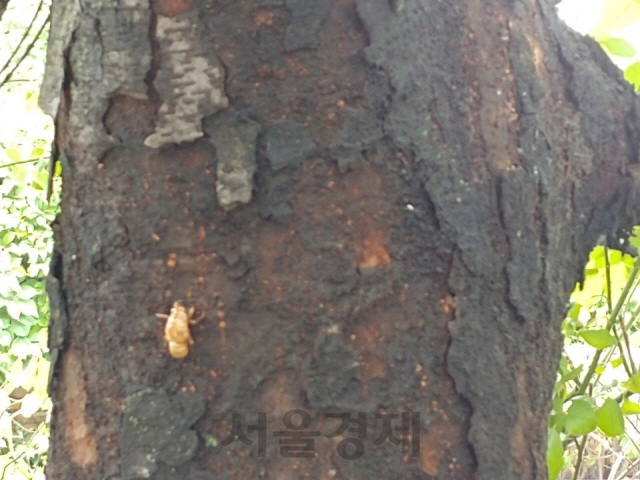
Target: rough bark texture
pixel 379 206
pixel 3 7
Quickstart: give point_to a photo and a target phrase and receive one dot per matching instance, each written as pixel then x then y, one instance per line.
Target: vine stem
pixel 576 470
pixel 614 314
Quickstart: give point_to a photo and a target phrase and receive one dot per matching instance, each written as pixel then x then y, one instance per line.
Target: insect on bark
pixel 176 330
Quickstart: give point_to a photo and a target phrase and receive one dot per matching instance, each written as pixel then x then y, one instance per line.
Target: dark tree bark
pixel 3 7
pixel 379 207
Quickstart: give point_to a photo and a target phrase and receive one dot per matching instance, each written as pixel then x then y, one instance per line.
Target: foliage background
pixel 25 243
pixel 594 430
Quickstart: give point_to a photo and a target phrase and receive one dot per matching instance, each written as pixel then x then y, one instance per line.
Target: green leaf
pixel 557 421
pixel 581 417
pixel 40 180
pixel 632 75
pixel 24 348
pixel 596 257
pixel 558 402
pixel 14 154
pixel 30 404
pixel 19 329
pixel 20 174
pixel 29 308
pixel 610 419
pixel 633 384
pixel 8 237
pixel 616 14
pixel 629 407
pixel 616 362
pixel 13 309
pixel 36 152
pixel 27 292
pixel 5 338
pixel 599 338
pixel 572 374
pixel 574 311
pixel 42 321
pixel 619 275
pixel 35 330
pixel 618 47
pixel 555 454
pixel 628 261
pixel 615 256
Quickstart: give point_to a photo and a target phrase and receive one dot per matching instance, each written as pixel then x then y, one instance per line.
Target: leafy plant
pixel 598 379
pixel 25 244
pixel 615 29
pixel 617 18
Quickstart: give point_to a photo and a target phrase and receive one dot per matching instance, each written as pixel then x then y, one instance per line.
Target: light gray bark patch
pixel 122 40
pixel 127 51
pixel 156 427
pixel 287 143
pixel 190 81
pixel 235 141
pixel 87 93
pixel 64 18
pixel 306 20
pixel 92 41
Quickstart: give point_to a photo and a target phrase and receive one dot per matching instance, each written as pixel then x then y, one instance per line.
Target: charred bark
pixel 380 207
pixel 3 7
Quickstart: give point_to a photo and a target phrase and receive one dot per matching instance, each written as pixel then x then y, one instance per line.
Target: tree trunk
pixel 378 207
pixel 3 7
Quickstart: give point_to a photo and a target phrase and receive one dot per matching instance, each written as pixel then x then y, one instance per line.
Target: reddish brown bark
pixel 424 181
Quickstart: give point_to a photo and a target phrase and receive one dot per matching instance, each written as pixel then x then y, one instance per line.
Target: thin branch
pixel 627 343
pixel 21 162
pixel 15 459
pixel 625 327
pixel 24 37
pixel 636 313
pixel 620 347
pixel 26 52
pixel 631 467
pixel 607 276
pixel 637 462
pixel 576 471
pixel 614 314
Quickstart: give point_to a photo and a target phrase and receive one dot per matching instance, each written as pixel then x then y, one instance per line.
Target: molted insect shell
pixel 178 350
pixel 176 331
pixel 177 328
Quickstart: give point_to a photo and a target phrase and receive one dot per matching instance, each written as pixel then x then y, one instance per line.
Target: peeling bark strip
pixel 235 140
pixel 63 23
pixel 421 182
pixel 189 82
pixel 95 51
pixel 120 37
pixel 77 427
